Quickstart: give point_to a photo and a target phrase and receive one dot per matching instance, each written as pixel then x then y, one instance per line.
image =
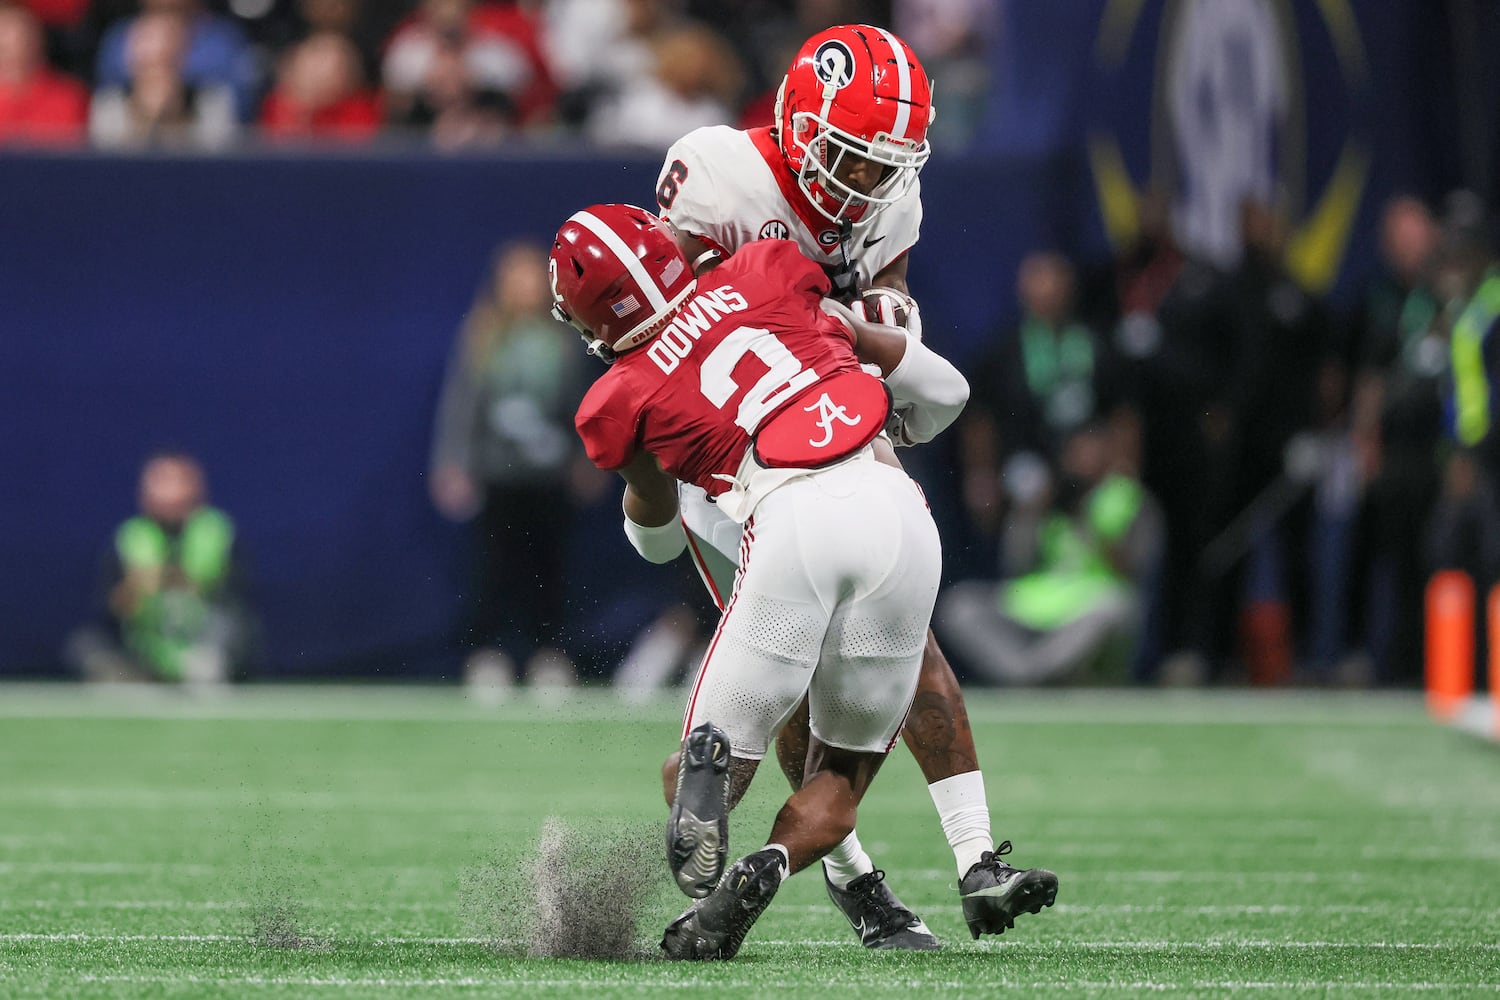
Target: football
pixel 891 306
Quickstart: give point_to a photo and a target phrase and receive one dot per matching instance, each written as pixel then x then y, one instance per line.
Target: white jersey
pixel 729 187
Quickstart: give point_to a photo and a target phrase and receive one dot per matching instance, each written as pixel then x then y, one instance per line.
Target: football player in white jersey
pixel 837 174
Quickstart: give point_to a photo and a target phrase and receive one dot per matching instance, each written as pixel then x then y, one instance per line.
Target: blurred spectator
pixel 274 26
pixel 471 73
pixel 696 80
pixel 214 56
pixel 665 651
pixel 1400 354
pixel 173 604
pixel 1171 318
pixel 1255 525
pixel 1030 393
pixel 37 105
pixel 1080 565
pixel 157 105
pixel 1464 529
pixel 366 25
pixel 320 93
pixel 596 48
pixel 953 38
pixel 505 454
pixel 58 13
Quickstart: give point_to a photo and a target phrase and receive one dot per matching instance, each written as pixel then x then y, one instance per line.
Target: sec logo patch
pixel 775 230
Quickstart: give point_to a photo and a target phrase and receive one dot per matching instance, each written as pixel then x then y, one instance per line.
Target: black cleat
pixel 994 893
pixel 698 829
pixel 880 919
pixel 714 928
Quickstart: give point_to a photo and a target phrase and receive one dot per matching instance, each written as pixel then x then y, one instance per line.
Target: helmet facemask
pixel 854 91
pixel 824 149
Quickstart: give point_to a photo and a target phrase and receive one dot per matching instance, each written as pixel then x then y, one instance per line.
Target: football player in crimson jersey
pixel 740 382
pixel 837 174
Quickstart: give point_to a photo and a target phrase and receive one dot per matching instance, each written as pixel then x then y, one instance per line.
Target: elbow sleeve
pixel 660 544
pixel 928 391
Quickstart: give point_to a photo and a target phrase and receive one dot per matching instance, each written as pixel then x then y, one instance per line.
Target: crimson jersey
pixel 750 339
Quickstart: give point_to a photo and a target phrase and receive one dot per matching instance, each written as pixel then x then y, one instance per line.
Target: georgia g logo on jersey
pixel 834 64
pixel 775 230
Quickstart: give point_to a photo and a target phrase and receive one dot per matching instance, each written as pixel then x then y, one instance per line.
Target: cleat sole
pixel 698 827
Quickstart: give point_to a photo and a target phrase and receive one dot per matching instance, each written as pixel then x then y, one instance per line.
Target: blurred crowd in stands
pixel 1173 468
pixel 1192 472
pixel 208 74
pixel 1169 471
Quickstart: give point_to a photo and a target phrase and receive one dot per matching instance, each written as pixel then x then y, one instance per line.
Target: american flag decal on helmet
pixel 628 304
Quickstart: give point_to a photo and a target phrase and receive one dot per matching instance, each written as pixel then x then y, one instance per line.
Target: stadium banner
pixel 1321 106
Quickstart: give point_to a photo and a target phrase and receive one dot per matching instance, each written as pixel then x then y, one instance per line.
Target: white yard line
pixel 312 703
pixel 943 874
pixel 221 904
pixel 1125 875
pixel 715 978
pixel 1216 944
pixel 105 867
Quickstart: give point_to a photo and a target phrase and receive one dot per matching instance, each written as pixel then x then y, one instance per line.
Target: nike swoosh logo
pixel 872 240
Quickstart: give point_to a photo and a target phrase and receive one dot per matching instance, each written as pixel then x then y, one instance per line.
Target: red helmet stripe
pixel 616 246
pixel 903 81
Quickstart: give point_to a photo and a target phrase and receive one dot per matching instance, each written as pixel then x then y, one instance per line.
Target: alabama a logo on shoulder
pixel 828 411
pixel 775 230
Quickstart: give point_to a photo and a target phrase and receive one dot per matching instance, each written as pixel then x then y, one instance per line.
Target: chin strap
pixel 595 347
pixel 844 277
pixel 704 259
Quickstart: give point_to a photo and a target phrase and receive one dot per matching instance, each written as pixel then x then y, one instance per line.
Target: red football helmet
pixel 616 274
pixel 854 89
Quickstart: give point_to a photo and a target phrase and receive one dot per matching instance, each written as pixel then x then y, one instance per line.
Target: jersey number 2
pixel 786 378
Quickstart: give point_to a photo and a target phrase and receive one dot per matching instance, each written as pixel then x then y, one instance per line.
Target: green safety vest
pixel 1059 370
pixel 169 621
pixel 1471 384
pixel 1075 575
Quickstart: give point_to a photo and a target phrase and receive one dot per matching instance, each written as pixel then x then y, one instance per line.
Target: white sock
pixel 847 862
pixel 786 859
pixel 965 817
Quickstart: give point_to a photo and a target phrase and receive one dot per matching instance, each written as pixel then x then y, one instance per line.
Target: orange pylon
pixel 1450 641
pixel 1493 614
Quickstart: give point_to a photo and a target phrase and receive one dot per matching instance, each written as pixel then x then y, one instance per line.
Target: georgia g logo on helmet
pixel 834 64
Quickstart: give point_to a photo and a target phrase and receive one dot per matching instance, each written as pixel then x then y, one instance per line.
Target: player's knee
pixel 669 775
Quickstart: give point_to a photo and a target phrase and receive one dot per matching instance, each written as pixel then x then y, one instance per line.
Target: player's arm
pixel 651 520
pixel 698 251
pixel 931 390
pixel 893 275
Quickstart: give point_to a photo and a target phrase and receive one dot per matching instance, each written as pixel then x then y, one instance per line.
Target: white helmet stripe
pixel 903 80
pixel 632 263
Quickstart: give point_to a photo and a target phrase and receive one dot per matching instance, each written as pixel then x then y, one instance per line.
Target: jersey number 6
pixel 666 191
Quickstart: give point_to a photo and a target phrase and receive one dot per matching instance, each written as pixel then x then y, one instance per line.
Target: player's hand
pixel 895 428
pixel 883 304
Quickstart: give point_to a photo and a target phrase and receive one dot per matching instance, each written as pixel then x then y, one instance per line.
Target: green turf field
pixel 370 842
